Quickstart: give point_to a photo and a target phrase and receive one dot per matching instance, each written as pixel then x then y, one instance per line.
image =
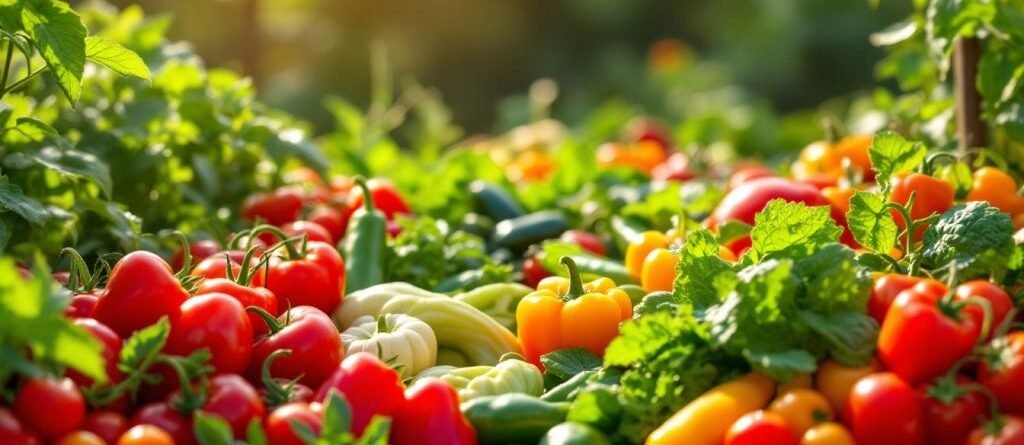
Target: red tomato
pixel 999 301
pixel 111 352
pixel 533 272
pixel 216 266
pixel 933 196
pixel 885 290
pixel 282 206
pixel 200 250
pixel 1002 372
pixel 315 277
pixel 279 423
pixel 82 305
pixel 315 345
pixel 385 198
pixel 218 323
pixel 312 231
pixel 141 289
pixel 1009 430
pixel 761 428
pixel 430 416
pixel 675 168
pixel 918 321
pixel 884 410
pixel 260 297
pixel 108 425
pixel 49 406
pixel 370 387
pixel 647 129
pixel 951 411
pixel 12 432
pixel 334 220
pixel 748 173
pixel 234 400
pixel 588 241
pixel 165 417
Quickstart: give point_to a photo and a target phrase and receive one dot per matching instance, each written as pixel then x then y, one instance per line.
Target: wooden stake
pixel 970 129
pixel 250 47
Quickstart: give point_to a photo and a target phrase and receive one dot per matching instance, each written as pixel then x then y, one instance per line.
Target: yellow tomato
pixel 640 247
pixel 834 381
pixel 828 433
pixel 802 408
pixel 659 270
pixel 801 380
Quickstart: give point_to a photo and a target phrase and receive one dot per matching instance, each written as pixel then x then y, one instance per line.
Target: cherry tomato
pixel 659 270
pixel 534 272
pixel 216 266
pixel 882 410
pixel 282 206
pixel 111 352
pixel 332 219
pixel 200 250
pixel 917 321
pixel 108 425
pixel 885 290
pixel 146 435
pixel 279 423
pixel 313 277
pixel 12 432
pixel 49 406
pixel 1002 372
pixel 933 196
pixel 311 230
pixel 997 188
pixel 141 289
pixel 82 305
pixel 588 241
pixel 234 400
pixel 1009 430
pixel 385 198
pixel 834 381
pixel 371 387
pixel 640 247
pixel 167 419
pixel 642 156
pixel 748 173
pixel 802 408
pixel 80 438
pixel 260 297
pixel 999 301
pixel 828 433
pixel 218 323
pixel 314 341
pixel 951 411
pixel 761 428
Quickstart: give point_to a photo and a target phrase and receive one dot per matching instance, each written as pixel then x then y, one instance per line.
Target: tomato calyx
pixel 276 393
pixel 947 390
pixel 575 281
pixel 80 281
pixel 273 324
pixel 247 270
pixel 184 276
pixel 188 369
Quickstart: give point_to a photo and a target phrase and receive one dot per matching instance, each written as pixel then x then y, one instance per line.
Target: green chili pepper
pixel 513 418
pixel 365 243
pixel 574 433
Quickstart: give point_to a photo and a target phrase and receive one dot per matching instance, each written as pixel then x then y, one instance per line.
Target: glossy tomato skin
pixel 951 423
pixel 111 352
pixel 233 399
pixel 675 168
pixel 370 386
pixel 933 196
pixel 385 198
pixel 916 323
pixel 146 434
pixel 82 305
pixel 884 292
pixel 1003 372
pixel 761 428
pixel 218 323
pixel 165 417
pixel 12 432
pixel 1010 433
pixel 315 345
pixel 533 272
pixel 588 241
pixel 311 230
pixel 216 266
pixel 200 250
pixel 748 173
pixel 108 425
pixel 282 206
pixel 332 219
pixel 50 407
pixel 999 301
pixel 279 423
pixel 882 410
pixel 260 297
pixel 141 289
pixel 317 278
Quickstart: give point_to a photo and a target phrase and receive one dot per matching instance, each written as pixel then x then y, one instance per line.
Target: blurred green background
pixel 478 54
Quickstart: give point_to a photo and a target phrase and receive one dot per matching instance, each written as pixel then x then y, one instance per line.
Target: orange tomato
pixel 80 438
pixel 802 408
pixel 834 381
pixel 641 155
pixel 530 165
pixel 145 435
pixel 801 380
pixel 828 433
pixel 821 159
pixel 659 270
pixel 639 248
pixel 933 195
pixel 998 188
pixel 839 197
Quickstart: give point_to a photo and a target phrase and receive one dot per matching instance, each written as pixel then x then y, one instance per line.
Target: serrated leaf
pixel 851 336
pixel 565 363
pixel 13 199
pixel 891 154
pixel 60 37
pixel 112 55
pixel 791 229
pixel 211 429
pixel 144 344
pixel 698 266
pixel 871 222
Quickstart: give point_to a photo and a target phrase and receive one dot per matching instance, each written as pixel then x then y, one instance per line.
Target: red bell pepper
pixel 431 416
pixel 371 388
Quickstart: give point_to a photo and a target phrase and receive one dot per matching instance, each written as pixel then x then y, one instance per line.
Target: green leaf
pixel 337 418
pixel 949 19
pixel 974 238
pixel 698 266
pixel 656 302
pixel 597 406
pixel 76 164
pixel 12 198
pixel 791 230
pixel 833 280
pixel 60 37
pixel 10 15
pixel 144 345
pixel 782 365
pixel 254 434
pixel 891 154
pixel 112 55
pixel 733 230
pixel 211 429
pixel 376 432
pixel 871 222
pixel 851 336
pixel 897 32
pixel 565 363
pixel 291 144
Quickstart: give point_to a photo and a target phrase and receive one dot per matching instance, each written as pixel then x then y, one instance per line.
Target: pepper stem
pixel 367 196
pixel 575 282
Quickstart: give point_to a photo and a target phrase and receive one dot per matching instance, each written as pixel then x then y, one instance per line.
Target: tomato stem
pixel 273 324
pixel 575 282
pixel 276 394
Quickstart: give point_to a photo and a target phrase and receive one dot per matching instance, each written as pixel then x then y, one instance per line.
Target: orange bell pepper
pixel 565 313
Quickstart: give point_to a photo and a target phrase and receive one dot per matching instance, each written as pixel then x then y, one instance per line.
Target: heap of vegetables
pixel 548 286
